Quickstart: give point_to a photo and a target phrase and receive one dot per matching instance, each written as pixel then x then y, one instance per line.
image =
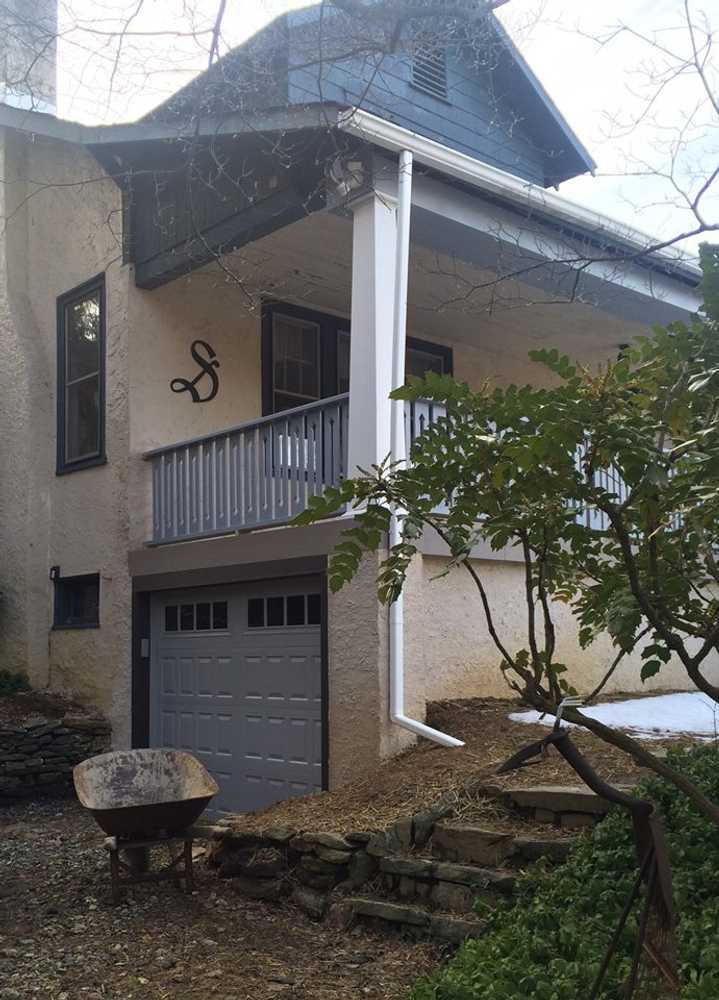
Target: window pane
pixel 77 601
pixel 219 614
pixel 81 602
pixel 171 618
pixel 202 623
pixel 343 361
pixel 82 337
pixel 296 609
pixel 256 612
pixel 314 609
pixel 187 617
pixel 283 402
pixel 420 362
pixel 82 431
pixel 295 353
pixel 275 611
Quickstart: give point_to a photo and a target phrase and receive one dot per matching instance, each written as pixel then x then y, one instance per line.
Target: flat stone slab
pixel 444 871
pixel 455 841
pixel 529 849
pixel 561 798
pixel 394 912
pixel 475 877
pixel 441 926
pixel 454 929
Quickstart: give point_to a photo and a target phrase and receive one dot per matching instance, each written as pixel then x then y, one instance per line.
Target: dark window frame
pixel 330 327
pixel 59 620
pixel 64 466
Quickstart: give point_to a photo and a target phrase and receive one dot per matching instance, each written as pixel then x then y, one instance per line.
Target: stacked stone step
pixel 38 758
pixel 312 868
pixel 424 875
pixel 571 807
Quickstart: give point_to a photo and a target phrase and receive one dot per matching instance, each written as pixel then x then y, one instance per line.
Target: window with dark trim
pixel 77 601
pixel 306 356
pixel 81 377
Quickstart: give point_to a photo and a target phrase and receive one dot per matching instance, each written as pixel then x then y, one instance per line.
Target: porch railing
pixel 256 474
pixel 263 472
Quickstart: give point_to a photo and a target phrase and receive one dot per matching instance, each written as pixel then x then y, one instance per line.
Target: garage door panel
pixel 169 671
pixel 247 701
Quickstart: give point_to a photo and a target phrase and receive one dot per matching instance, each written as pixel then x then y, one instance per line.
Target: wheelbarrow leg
pixel 189 875
pixel 115 875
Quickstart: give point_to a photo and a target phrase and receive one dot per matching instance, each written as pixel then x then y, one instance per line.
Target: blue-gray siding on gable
pixel 470 121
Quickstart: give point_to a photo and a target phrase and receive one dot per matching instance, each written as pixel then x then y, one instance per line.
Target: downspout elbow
pixel 420 729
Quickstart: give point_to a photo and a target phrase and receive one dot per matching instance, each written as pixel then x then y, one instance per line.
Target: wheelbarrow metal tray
pixel 135 793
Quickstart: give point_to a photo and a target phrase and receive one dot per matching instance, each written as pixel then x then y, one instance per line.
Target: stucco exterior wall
pixel 88 520
pixel 163 325
pixel 360 734
pixel 449 653
pixel 77 521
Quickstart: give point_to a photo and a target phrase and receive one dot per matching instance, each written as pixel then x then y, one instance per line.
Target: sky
pixel 601 81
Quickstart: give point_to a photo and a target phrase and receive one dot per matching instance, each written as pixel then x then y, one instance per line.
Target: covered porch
pixel 488 281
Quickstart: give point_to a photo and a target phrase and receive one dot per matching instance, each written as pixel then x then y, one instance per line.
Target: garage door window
pixel 201 616
pixel 274 612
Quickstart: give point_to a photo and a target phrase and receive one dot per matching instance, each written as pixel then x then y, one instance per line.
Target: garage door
pixel 236 679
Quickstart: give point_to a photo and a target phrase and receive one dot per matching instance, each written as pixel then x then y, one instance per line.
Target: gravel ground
pixel 61 939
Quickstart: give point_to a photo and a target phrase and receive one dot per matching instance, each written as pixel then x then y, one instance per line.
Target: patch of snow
pixel 687 714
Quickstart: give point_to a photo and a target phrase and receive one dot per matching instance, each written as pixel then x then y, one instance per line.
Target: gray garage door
pixel 236 679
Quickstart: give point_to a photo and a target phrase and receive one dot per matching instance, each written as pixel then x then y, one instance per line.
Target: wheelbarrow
pixel 142 799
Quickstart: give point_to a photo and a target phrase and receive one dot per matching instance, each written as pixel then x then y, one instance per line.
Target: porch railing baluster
pixel 251 476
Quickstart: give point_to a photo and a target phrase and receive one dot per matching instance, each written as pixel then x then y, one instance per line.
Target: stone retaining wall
pixel 38 758
pixel 316 870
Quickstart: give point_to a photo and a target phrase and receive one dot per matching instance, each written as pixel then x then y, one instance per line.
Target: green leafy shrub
pixel 12 683
pixel 549 943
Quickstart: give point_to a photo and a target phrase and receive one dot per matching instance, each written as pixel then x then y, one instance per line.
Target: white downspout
pixel 399 454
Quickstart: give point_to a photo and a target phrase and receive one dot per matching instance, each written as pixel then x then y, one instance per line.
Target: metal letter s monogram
pixel 207 365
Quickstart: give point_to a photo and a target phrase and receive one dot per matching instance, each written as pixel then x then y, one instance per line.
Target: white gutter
pixel 399 454
pixel 505 185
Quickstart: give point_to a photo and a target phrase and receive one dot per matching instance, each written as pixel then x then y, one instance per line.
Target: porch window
pixel 81 377
pixel 306 356
pixel 295 362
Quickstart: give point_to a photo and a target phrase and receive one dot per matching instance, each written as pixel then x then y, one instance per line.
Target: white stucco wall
pixel 77 521
pixel 450 654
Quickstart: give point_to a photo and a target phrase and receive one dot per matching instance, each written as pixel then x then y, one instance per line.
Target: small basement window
pixel 77 601
pixel 429 70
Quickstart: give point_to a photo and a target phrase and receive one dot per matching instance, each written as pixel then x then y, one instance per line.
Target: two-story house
pixel 196 325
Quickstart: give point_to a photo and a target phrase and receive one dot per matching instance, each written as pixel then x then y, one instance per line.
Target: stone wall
pixel 38 758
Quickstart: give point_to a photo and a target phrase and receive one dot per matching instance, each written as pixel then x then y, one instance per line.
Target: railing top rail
pixel 296 411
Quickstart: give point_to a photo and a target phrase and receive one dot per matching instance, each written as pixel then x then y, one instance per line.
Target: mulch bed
pixel 24 706
pixel 415 779
pixel 60 939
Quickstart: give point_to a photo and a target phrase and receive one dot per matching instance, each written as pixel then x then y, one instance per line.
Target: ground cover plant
pixel 549 943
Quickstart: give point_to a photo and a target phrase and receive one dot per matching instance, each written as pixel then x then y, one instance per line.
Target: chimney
pixel 28 54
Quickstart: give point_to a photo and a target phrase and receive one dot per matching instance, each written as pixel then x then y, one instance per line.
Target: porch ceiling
pixel 450 299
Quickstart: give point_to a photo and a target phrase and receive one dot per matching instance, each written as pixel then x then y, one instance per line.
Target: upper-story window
pixel 429 69
pixel 306 356
pixel 295 361
pixel 81 376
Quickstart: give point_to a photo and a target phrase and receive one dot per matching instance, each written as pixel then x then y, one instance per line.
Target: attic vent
pixel 429 70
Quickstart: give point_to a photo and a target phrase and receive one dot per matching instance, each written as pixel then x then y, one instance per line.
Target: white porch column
pixel 374 238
